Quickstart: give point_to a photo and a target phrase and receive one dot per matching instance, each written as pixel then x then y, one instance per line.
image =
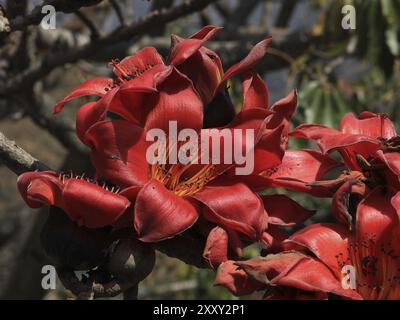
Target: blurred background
pixel 334 70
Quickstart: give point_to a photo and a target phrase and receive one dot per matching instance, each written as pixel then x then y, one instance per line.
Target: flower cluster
pixel 210 201
pixel 358 256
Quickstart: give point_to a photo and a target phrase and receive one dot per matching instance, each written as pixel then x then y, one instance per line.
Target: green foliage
pixel 377 33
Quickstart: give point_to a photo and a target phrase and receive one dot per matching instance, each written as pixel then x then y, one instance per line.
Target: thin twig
pixel 118 11
pixel 94 33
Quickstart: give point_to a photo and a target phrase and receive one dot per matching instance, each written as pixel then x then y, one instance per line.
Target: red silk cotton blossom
pixel 160 201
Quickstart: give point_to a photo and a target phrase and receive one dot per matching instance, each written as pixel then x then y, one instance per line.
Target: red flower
pixel 171 196
pixel 162 201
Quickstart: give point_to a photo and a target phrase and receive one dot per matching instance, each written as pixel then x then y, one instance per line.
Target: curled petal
pixel 119 152
pixel 95 86
pixel 341 201
pixel 85 203
pixel 392 160
pixel 235 279
pixel 175 100
pixel 282 113
pixel 90 205
pixel 234 206
pixel 376 215
pixel 160 214
pixel 312 275
pixel 331 139
pixel 255 55
pixel 139 63
pixel 369 124
pixel 299 168
pixel 284 211
pixel 328 242
pixel 183 49
pixel 305 165
pixel 216 249
pixel 292 269
pixel 273 239
pixel 39 188
pixel 268 152
pixel 255 91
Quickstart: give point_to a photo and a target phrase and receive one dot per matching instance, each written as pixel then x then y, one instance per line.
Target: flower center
pixel 183 179
pixel 377 274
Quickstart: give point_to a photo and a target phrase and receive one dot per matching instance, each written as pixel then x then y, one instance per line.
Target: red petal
pixel 299 168
pixel 119 152
pixel 90 205
pixel 89 114
pixel 255 54
pixel 176 100
pixel 330 139
pixel 205 70
pixel 282 113
pixel 273 239
pixel 291 269
pixel 86 203
pixel 305 165
pixel 369 124
pixel 284 211
pixel 341 200
pixel 265 269
pixel 184 48
pixel 236 280
pixel 328 242
pixel 139 63
pixel 392 160
pixel 255 92
pixel 216 249
pixel 160 214
pixel 376 216
pixel 268 152
pixel 311 275
pixel 234 206
pixel 95 86
pixel 39 188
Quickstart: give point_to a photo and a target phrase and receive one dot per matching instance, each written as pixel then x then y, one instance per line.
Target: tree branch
pixel 17 159
pixel 53 61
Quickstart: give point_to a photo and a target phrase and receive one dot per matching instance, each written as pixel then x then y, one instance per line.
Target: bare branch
pixel 118 11
pixel 53 61
pixel 94 33
pixel 223 9
pixel 17 159
pixel 285 13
